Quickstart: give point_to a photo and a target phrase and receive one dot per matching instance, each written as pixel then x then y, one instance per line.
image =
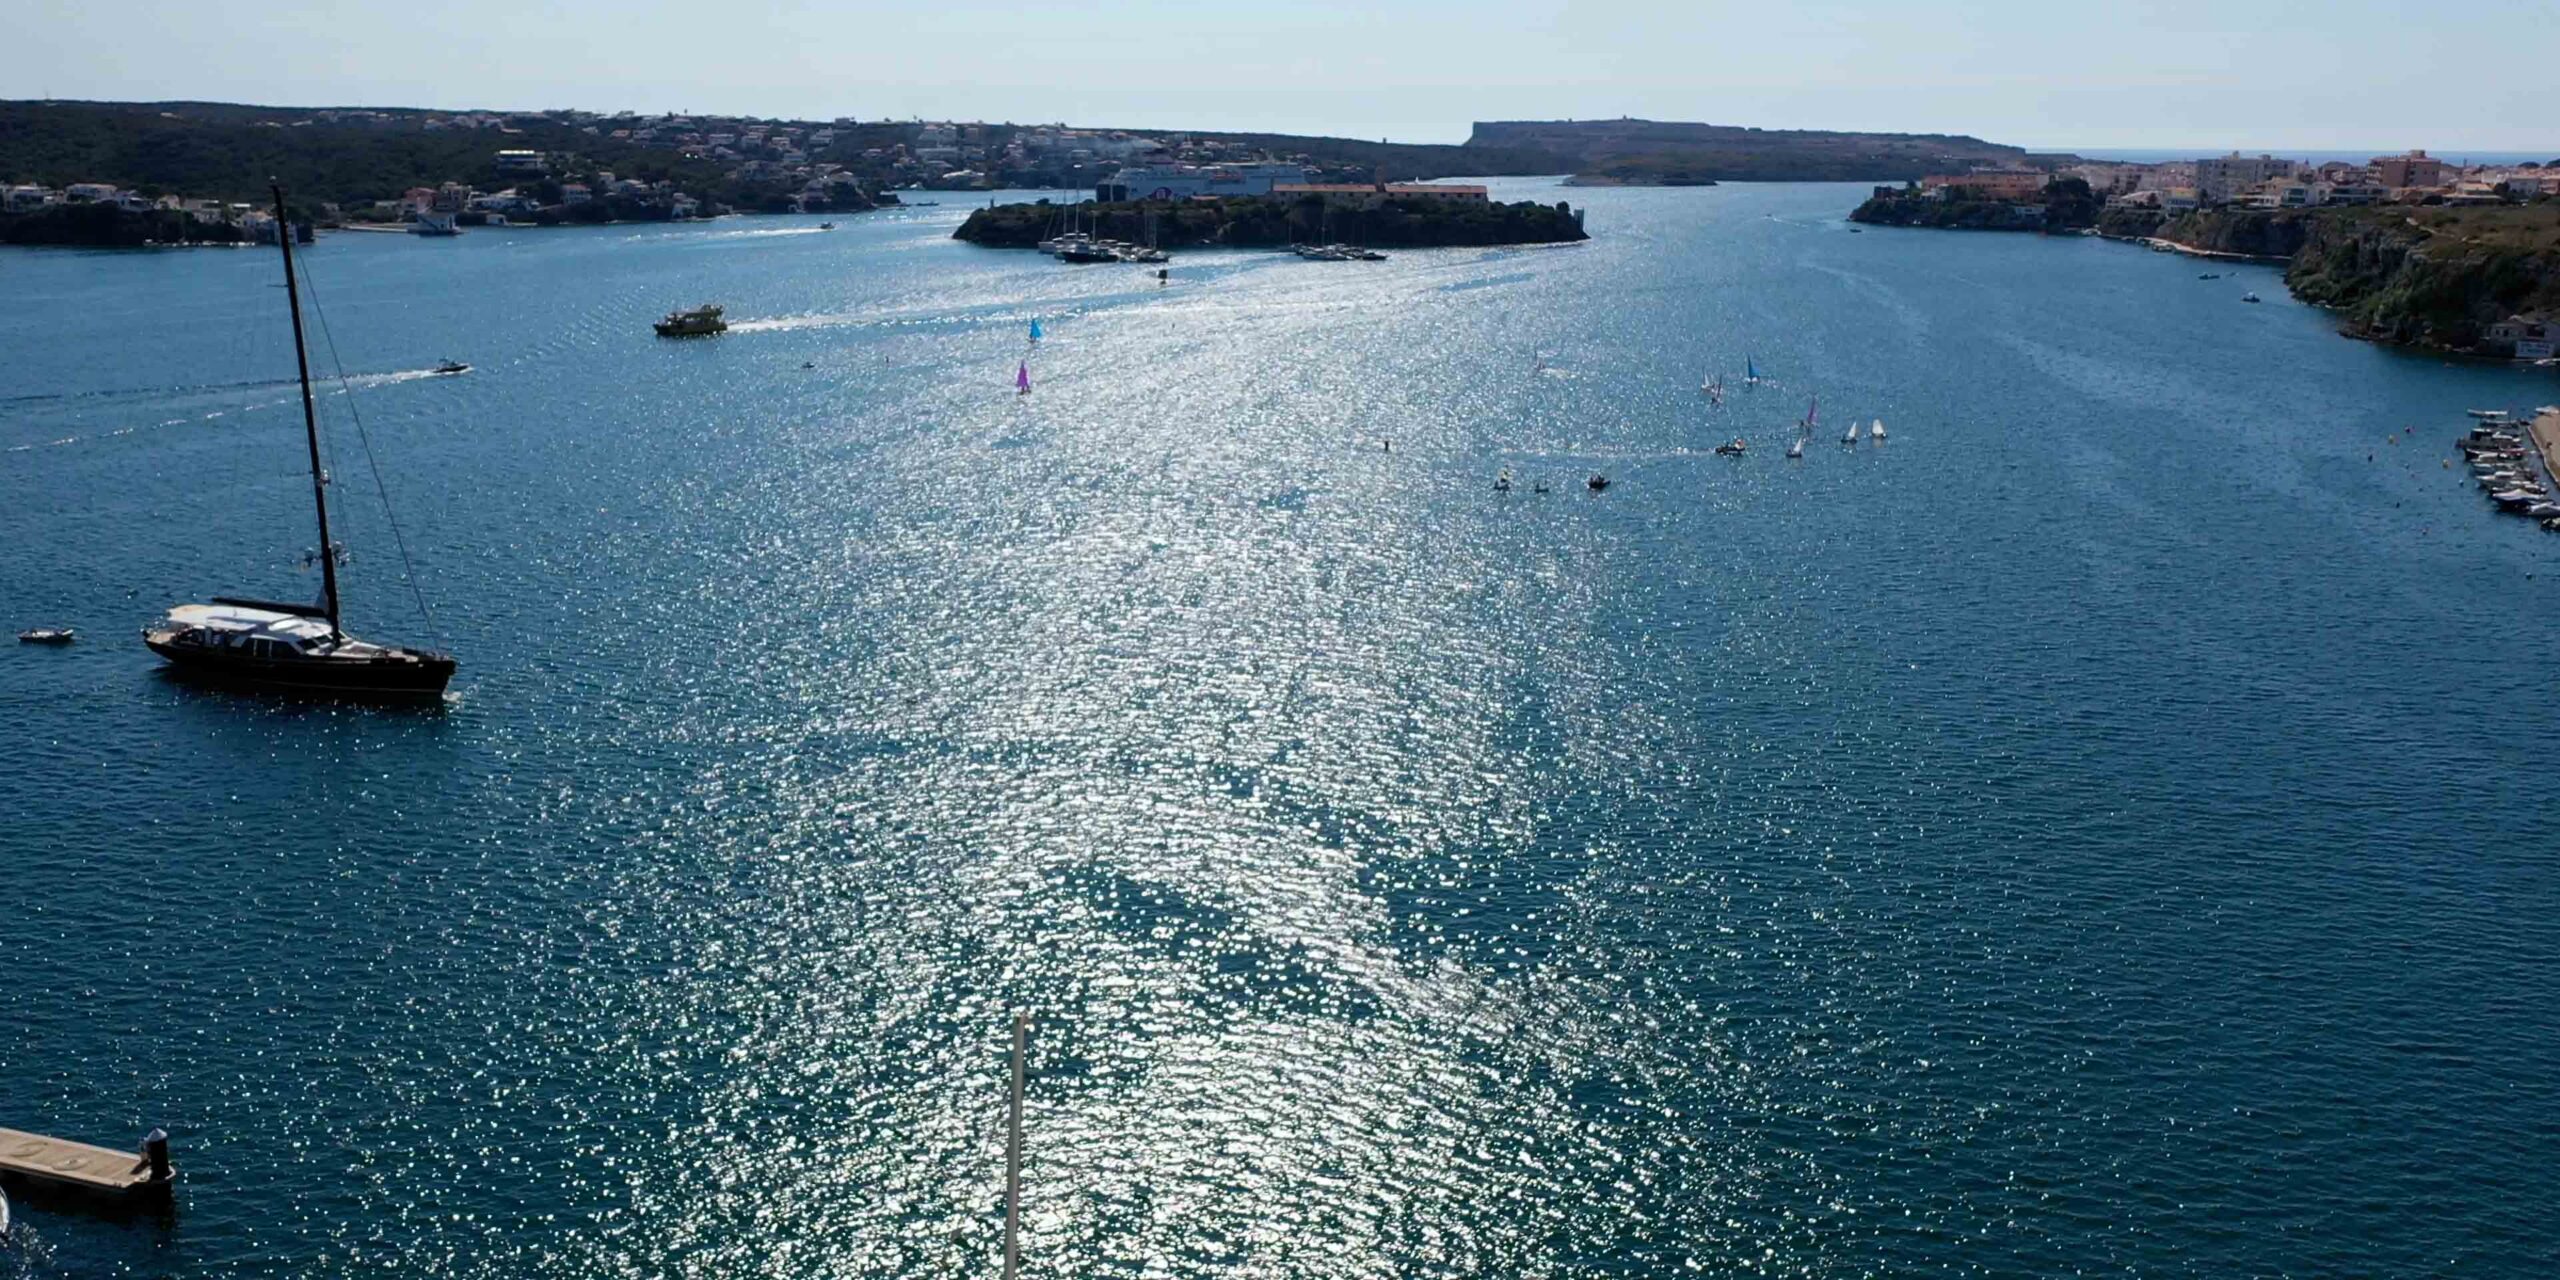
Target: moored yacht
pixel 295 646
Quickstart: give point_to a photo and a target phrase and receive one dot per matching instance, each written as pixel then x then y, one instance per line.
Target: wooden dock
pixel 77 1166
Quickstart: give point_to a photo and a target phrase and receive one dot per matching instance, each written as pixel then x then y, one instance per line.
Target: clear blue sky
pixel 2053 73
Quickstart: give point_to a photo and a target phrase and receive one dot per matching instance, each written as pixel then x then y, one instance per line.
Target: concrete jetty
pixel 2546 438
pixel 60 1164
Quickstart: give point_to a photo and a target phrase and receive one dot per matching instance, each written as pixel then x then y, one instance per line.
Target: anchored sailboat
pixel 296 646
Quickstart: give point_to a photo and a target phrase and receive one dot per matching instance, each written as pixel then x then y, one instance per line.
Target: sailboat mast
pixel 310 416
pixel 1013 1157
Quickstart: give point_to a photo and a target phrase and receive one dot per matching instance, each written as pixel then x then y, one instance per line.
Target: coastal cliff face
pixel 2424 276
pixel 2395 280
pixel 1264 223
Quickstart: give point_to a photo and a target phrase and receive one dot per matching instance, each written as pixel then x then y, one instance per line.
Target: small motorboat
pixel 697 322
pixel 2210 275
pixel 1731 448
pixel 1597 483
pixel 2249 297
pixel 48 635
pixel 826 226
pixel 452 366
pixel 1539 486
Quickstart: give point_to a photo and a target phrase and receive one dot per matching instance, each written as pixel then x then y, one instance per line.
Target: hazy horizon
pixel 2026 74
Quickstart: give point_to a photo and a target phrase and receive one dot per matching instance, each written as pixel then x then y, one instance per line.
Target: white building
pixel 1181 182
pixel 2223 178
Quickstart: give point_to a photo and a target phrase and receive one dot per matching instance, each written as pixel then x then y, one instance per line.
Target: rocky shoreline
pixel 2435 278
pixel 1267 222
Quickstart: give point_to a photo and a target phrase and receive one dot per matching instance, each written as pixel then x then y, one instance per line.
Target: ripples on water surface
pixel 2100 830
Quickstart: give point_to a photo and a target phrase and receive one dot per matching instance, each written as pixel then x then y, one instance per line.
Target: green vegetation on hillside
pixel 227 152
pixel 1267 222
pixel 104 226
pixel 2066 204
pixel 1656 151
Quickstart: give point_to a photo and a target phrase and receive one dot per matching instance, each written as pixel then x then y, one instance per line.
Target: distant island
pixel 1378 219
pixel 1630 152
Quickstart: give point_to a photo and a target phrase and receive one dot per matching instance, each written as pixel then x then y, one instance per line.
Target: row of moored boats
pixel 1336 253
pixel 2503 465
pixel 1078 246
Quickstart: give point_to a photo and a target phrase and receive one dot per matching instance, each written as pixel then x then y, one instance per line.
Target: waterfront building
pixel 2529 337
pixel 1986 184
pixel 522 164
pixel 2223 179
pixel 1181 182
pixel 2412 169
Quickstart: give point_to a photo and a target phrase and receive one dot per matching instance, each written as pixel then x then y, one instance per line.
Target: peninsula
pixel 1631 152
pixel 2407 249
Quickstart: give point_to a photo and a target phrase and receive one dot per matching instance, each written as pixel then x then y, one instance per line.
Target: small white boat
pixel 48 635
pixel 1875 432
pixel 1796 450
pixel 2488 415
pixel 2249 297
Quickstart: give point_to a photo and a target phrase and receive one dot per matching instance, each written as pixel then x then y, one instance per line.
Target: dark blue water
pixel 2104 830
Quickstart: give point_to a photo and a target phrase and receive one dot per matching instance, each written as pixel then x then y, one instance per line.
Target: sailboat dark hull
pixel 393 675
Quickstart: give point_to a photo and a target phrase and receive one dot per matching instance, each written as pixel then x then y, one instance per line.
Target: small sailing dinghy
pixel 1502 483
pixel 1022 379
pixel 1035 331
pixel 1875 432
pixel 297 647
pixel 1795 449
pixel 1750 373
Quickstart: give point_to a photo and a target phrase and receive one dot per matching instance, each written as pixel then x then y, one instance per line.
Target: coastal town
pixel 2263 182
pixel 568 167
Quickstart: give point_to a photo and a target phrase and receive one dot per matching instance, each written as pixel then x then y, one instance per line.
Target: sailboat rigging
pixel 299 647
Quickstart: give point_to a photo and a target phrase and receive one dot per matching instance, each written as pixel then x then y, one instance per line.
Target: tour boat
pixel 698 322
pixel 296 647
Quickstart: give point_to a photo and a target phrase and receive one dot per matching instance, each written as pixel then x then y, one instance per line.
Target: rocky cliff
pixel 2433 281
